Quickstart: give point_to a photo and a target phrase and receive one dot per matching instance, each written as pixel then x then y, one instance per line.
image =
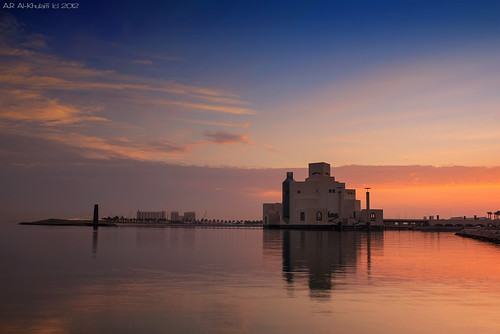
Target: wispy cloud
pixel 224 138
pixel 144 61
pixel 271 148
pixel 139 148
pixel 231 125
pixel 210 107
pixel 42 88
pixel 27 106
pixel 262 194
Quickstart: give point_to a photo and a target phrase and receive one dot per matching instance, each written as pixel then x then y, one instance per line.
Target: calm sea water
pixel 202 280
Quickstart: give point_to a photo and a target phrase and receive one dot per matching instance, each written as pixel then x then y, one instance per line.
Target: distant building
pixel 189 216
pixel 174 216
pixel 272 213
pixel 320 201
pixel 151 215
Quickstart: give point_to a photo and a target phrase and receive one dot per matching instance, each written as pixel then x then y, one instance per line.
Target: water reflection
pixel 144 237
pixel 187 280
pixel 94 244
pixel 323 260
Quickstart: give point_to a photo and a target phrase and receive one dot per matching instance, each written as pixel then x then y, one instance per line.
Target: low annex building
pixel 320 201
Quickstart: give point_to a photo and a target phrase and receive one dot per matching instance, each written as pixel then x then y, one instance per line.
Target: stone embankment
pixel 484 234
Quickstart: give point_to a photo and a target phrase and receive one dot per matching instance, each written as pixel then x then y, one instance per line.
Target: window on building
pixel 332 215
pixel 373 216
pixel 319 216
pixel 302 216
pixel 298 192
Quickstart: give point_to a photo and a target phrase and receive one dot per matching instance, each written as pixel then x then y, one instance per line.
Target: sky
pixel 204 105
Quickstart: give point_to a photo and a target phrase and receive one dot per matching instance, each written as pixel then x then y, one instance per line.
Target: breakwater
pixel 484 234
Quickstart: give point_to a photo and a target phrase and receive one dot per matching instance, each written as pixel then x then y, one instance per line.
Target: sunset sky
pixel 204 105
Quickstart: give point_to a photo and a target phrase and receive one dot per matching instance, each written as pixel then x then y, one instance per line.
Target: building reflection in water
pixel 323 259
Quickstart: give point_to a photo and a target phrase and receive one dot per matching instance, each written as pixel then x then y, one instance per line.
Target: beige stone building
pixel 320 201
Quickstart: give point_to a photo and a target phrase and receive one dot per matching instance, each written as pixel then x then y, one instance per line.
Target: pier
pixel 448 224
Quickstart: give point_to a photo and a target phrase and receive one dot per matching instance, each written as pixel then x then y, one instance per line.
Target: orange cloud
pixel 271 148
pixel 232 125
pixel 217 108
pixel 28 64
pixel 265 195
pixel 222 99
pixel 33 107
pixel 142 148
pixel 44 94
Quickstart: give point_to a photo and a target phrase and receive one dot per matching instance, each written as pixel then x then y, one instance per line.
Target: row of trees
pixel 221 221
pixel 197 221
pixel 497 214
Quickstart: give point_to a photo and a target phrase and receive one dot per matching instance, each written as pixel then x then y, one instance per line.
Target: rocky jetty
pixel 484 234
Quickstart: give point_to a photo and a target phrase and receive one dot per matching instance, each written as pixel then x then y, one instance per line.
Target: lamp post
pixel 367 198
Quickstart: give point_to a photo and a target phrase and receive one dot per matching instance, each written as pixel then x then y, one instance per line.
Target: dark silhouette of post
pixel 367 198
pixel 95 222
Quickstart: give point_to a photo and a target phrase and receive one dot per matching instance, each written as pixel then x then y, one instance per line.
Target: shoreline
pixel 69 222
pixel 88 223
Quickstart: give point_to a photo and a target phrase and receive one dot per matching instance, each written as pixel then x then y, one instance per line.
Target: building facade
pixel 189 216
pixel 174 216
pixel 319 201
pixel 151 215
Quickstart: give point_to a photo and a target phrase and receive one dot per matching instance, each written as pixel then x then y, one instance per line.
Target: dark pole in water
pixel 95 222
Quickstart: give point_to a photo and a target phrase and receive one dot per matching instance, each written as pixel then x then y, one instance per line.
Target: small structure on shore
pixel 95 221
pixel 320 202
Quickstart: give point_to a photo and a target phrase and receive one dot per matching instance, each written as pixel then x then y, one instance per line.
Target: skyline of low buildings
pixel 151 215
pixel 162 215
